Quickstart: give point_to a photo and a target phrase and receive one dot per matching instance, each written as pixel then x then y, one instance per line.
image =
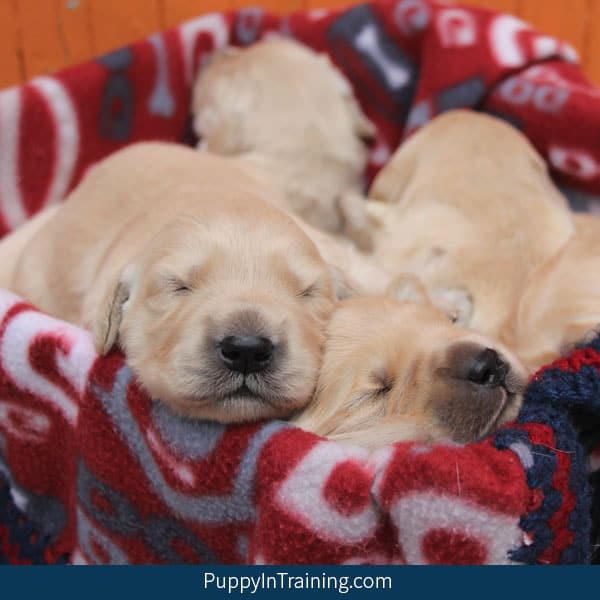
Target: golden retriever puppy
pixel 218 299
pixel 398 370
pixel 467 205
pixel 289 113
pixel 561 302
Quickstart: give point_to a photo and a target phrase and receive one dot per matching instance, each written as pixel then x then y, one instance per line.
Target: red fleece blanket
pixel 96 472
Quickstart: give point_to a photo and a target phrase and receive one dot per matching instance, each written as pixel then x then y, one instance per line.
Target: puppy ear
pixel 457 303
pixel 110 314
pixel 408 288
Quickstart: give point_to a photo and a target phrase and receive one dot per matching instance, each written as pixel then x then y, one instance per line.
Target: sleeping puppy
pixel 561 302
pixel 468 206
pixel 399 370
pixel 289 113
pixel 218 299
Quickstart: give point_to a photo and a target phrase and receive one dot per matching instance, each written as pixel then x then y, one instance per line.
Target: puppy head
pixel 397 370
pixel 223 321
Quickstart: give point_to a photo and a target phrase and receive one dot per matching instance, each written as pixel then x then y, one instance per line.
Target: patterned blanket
pixel 92 471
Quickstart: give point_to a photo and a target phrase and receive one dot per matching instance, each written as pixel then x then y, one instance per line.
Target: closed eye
pixel 373 399
pixel 177 286
pixel 382 386
pixel 310 291
pixel 383 382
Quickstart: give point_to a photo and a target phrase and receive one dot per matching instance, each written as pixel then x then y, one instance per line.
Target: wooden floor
pixel 38 36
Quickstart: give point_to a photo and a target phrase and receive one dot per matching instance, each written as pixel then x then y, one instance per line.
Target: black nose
pixel 488 368
pixel 246 353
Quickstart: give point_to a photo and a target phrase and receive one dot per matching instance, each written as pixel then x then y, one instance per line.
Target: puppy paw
pixel 409 288
pixel 457 303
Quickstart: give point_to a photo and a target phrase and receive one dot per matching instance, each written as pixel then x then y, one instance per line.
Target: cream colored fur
pixel 396 369
pixel 467 205
pixel 164 250
pixel 561 302
pixel 286 110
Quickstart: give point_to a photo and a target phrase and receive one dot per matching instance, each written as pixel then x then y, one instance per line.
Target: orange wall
pixel 37 36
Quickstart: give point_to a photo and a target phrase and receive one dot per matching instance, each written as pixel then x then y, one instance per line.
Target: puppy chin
pixel 474 427
pixel 231 399
pixel 237 408
pixel 509 412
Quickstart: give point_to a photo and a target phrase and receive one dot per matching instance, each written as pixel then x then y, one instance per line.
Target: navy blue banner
pixel 286 582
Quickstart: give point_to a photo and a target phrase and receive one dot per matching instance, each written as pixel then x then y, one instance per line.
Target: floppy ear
pixel 110 313
pixel 408 288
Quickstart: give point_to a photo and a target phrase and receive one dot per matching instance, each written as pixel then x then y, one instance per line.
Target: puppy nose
pixel 246 353
pixel 487 368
